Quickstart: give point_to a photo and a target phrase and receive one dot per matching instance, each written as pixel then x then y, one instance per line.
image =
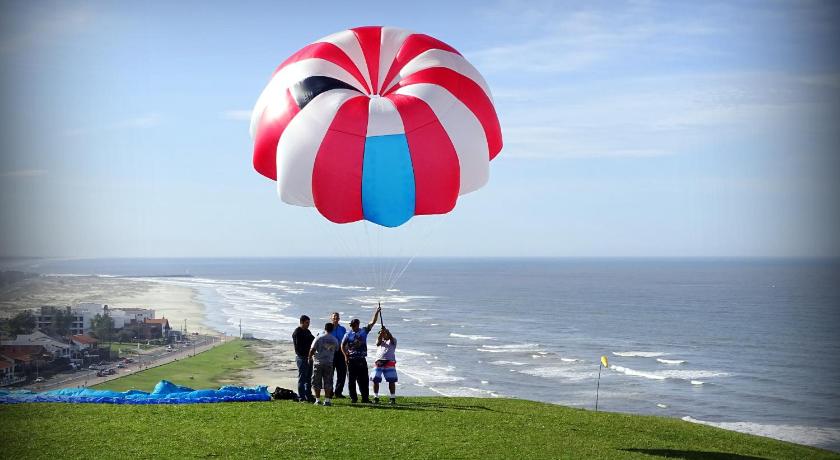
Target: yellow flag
pixel 604 361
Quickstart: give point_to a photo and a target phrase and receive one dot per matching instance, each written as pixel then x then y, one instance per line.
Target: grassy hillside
pixel 417 428
pixel 210 369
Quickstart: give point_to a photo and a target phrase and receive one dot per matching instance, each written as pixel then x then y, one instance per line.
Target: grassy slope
pixel 417 428
pixel 209 369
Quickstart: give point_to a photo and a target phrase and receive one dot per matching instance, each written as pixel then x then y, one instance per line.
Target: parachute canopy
pixel 375 123
pixel 165 392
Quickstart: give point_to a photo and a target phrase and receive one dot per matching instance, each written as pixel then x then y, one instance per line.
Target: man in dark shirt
pixel 354 347
pixel 302 338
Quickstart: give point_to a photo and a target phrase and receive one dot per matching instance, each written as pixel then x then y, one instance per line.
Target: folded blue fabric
pixel 165 392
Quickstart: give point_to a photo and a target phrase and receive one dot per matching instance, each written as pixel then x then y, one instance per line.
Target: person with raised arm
pixel 385 365
pixel 354 347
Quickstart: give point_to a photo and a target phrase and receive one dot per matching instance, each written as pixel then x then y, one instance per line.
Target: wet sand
pixel 276 366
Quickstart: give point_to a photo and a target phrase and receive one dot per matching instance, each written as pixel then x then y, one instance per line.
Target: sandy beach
pixel 176 303
pixel 276 366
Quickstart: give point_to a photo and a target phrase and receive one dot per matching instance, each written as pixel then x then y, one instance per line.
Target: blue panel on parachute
pixel 387 180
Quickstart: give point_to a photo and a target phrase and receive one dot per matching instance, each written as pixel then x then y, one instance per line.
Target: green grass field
pixel 417 428
pixel 210 369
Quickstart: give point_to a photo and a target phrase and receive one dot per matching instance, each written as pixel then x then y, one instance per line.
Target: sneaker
pixel 327 403
pixel 376 399
pixel 316 402
pixel 392 401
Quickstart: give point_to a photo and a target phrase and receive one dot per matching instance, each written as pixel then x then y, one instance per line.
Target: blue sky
pixel 631 129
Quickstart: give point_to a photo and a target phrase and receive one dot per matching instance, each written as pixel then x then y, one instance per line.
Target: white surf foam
pixel 471 337
pixel 511 348
pixel 689 375
pixel 670 361
pixel 808 435
pixel 507 363
pixel 570 373
pixel 639 354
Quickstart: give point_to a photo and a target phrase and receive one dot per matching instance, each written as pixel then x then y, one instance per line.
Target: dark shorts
pixel 322 376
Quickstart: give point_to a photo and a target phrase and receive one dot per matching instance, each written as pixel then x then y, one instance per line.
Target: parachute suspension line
pixel 341 235
pixel 424 240
pixel 370 256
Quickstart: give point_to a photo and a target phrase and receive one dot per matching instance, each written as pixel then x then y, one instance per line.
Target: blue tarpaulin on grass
pixel 165 392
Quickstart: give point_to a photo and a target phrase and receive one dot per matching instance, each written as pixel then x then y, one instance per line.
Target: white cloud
pixel 654 116
pixel 139 122
pixel 239 115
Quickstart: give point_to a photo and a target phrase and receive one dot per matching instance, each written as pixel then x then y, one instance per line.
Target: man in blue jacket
pixel 339 363
pixel 354 347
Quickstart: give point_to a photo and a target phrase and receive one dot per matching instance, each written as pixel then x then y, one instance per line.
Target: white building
pixel 58 349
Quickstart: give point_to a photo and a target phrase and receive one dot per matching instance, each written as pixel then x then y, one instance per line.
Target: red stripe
pixel 337 175
pixel 437 172
pixel 273 121
pixel 412 47
pixel 370 39
pixel 469 93
pixel 327 52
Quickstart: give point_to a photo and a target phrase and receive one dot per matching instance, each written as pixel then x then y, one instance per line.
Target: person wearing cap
pixel 354 347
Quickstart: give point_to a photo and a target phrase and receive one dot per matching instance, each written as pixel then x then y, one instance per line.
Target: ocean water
pixel 749 345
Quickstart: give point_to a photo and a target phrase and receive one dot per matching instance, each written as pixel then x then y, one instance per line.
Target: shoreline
pixel 173 302
pixel 275 366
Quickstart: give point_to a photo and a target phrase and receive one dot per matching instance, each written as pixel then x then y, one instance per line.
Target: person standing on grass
pixel 339 363
pixel 321 355
pixel 385 365
pixel 302 338
pixel 354 347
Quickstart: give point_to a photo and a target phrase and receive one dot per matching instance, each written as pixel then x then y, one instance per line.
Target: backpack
pixel 283 394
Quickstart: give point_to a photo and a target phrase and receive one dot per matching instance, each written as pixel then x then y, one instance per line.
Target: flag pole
pixel 597 387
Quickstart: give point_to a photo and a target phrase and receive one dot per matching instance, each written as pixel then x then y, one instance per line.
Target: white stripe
pixel 441 58
pixel 463 129
pixel 392 40
pixel 299 145
pixel 383 118
pixel 293 73
pixel 347 41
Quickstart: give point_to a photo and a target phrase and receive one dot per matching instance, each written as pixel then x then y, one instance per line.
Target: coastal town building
pixel 155 329
pixel 55 347
pixel 83 342
pixel 84 313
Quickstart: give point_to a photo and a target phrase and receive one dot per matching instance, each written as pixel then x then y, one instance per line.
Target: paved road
pixel 147 359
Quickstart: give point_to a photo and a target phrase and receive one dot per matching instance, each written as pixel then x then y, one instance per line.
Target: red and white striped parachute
pixel 375 123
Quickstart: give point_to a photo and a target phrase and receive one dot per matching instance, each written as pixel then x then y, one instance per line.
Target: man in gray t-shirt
pixel 321 354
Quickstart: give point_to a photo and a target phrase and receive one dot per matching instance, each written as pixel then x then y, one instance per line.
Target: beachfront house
pixel 137 315
pixel 155 329
pixel 83 342
pixel 28 359
pixel 8 372
pixel 53 346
